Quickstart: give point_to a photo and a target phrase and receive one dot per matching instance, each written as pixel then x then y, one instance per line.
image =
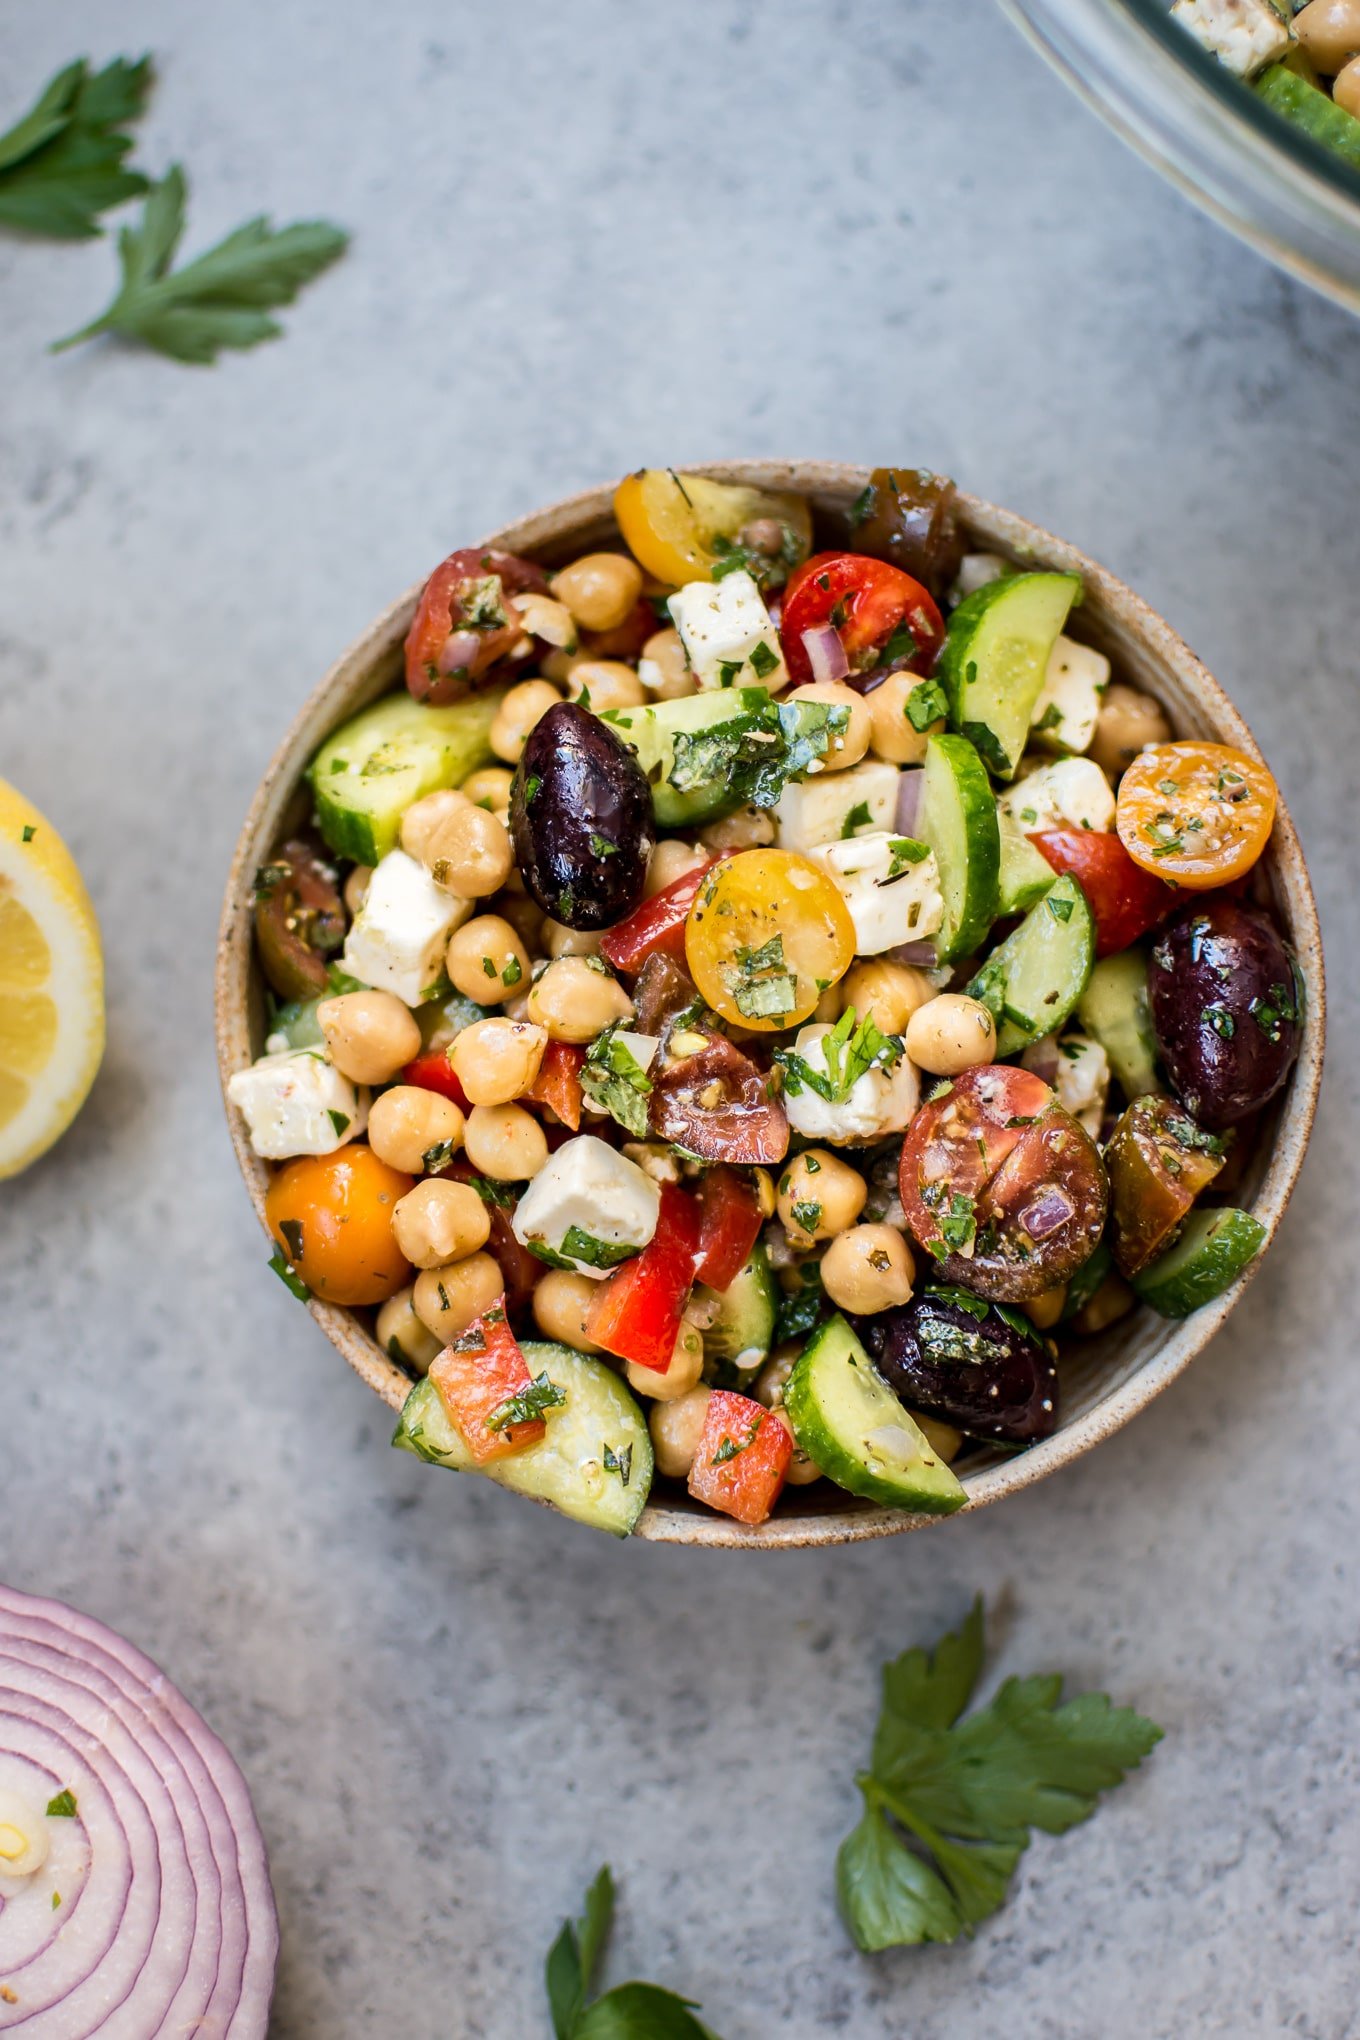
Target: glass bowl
pixel 1208 132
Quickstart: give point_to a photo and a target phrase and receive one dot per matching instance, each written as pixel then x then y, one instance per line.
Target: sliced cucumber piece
pixel 1114 1011
pixel 367 774
pixel 1033 981
pixel 849 1421
pixel 652 731
pixel 1212 1251
pixel 1025 874
pixel 1308 107
pixel 957 818
pixel 594 1462
pixel 739 1339
pixel 298 1024
pixel 996 656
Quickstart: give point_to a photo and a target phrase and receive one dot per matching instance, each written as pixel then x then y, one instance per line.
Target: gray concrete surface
pixel 586 237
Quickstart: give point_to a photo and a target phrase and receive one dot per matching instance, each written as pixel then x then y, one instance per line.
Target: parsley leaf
pixel 223 297
pixel 859 817
pixel 846 1053
pixel 631 2011
pixel 949 1800
pixel 528 1405
pixel 63 1807
pixel 803 1308
pixel 926 704
pixel 613 1078
pixel 290 1281
pixel 62 164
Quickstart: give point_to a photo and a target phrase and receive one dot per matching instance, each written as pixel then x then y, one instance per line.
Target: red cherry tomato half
pixel 463 623
pixel 657 927
pixel 558 1083
pixel 1001 1186
pixel 1126 900
pixel 743 1456
pixel 868 602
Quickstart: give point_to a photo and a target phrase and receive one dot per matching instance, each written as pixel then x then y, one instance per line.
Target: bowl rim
pixel 851 1520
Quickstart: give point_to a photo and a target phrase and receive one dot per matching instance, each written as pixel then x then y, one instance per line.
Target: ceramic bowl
pixel 1106 1380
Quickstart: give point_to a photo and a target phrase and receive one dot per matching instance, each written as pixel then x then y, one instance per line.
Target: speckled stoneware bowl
pixel 1107 1379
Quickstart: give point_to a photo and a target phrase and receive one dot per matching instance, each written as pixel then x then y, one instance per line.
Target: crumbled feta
pixel 1064 717
pixel 1071 793
pixel 825 808
pixel 297 1103
pixel 1082 1078
pixel 890 900
pixel 879 1102
pixel 590 1188
pixel 400 933
pixel 727 634
pixel 1245 35
pixel 978 570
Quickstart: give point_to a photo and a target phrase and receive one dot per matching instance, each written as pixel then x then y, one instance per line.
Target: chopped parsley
pixel 926 704
pixel 847 1052
pixel 613 1078
pixel 340 1121
pixel 807 1215
pixel 29 832
pixel 958 1226
pixel 763 659
pixel 1221 1020
pixel 730 1448
pixel 900 647
pixel 860 817
pixel 762 986
pixel 490 1191
pixel 579 1245
pixel 620 1463
pixel 1061 909
pixel 292 1282
pixel 528 1406
pixel 531 786
pixel 601 846
pixel 437 1157
pixel 904 852
pixel 63 1807
pixel 513 972
pixel 803 1308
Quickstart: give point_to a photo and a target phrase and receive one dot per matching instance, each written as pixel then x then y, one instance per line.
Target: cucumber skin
pixel 1025 874
pixel 1113 1009
pixel 671 808
pixel 1312 110
pixel 958 668
pixel 1010 1039
pixel 1224 1242
pixel 747 1306
pixel 422 1412
pixel 462 732
pixel 957 761
pixel 837 1462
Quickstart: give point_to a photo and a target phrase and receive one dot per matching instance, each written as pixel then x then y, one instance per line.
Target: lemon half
pixel 51 985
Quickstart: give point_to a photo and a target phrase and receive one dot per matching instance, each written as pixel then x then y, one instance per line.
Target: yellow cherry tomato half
pixel 332 1218
pixel 678 526
pixel 1197 813
pixel 766 935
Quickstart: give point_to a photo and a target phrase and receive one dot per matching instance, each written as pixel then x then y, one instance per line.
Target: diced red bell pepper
pixel 477 1376
pixel 657 927
pixel 637 1311
pixel 744 1453
pixel 729 1226
pixel 1125 900
pixel 433 1071
pixel 558 1083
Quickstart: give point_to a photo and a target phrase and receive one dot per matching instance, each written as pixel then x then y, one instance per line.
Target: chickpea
pixel 1346 86
pixel 802 1467
pixel 562 1301
pixel 468 851
pixel 1046 1308
pixel 892 733
pixel 608 682
pixel 768 1387
pixel 369 1035
pixel 546 619
pixel 505 1142
pixel 944 1441
pixel 496 1060
pixel 573 1000
pixel 676 1429
pixel 600 589
pixel 949 1034
pixel 1330 33
pixel 868 1269
pixel 425 817
pixel 663 668
pixel 819 1195
pixel 489 788
pixel 559 666
pixel 356 887
pixel 526 918
pixel 403 1337
pixel 683 1374
pixel 670 860
pixel 1112 1301
pixel 750 828
pixel 886 993
pixel 440 1221
pixel 522 707
pixel 1126 722
pixel 560 941
pixel 407 1123
pixel 448 1299
pixel 486 960
pixel 853 742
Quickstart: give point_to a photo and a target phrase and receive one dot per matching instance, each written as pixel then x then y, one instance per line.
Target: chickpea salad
pixel 1301 56
pixel 754 997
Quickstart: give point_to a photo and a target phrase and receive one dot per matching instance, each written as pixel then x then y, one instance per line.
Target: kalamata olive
pixel 1227 1006
pixel 1158 1161
pixel 464 625
pixel 1000 1185
pixel 581 819
pixel 716 1104
pixel 906 515
pixel 980 1367
pixel 299 920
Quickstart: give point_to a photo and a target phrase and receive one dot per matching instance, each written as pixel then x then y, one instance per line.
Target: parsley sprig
pixel 63 163
pixel 848 1051
pixel 222 298
pixel 631 2011
pixel 614 1079
pixel 949 1802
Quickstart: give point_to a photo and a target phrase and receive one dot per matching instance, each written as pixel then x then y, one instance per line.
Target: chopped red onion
pixel 826 653
pixel 1041 1057
pixel 165 1921
pixel 909 790
pixel 917 955
pixel 1051 1208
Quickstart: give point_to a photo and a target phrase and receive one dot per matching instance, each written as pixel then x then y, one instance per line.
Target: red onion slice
pixel 916 955
pixel 1051 1208
pixel 166 1923
pixel 826 653
pixel 1042 1058
pixel 909 789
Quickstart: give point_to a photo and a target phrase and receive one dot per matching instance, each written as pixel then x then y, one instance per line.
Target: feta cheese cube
pixel 1082 1079
pixel 1064 717
pixel 890 900
pixel 878 1102
pixel 297 1103
pixel 727 634
pixel 821 809
pixel 978 570
pixel 400 933
pixel 1245 35
pixel 589 1193
pixel 1071 793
